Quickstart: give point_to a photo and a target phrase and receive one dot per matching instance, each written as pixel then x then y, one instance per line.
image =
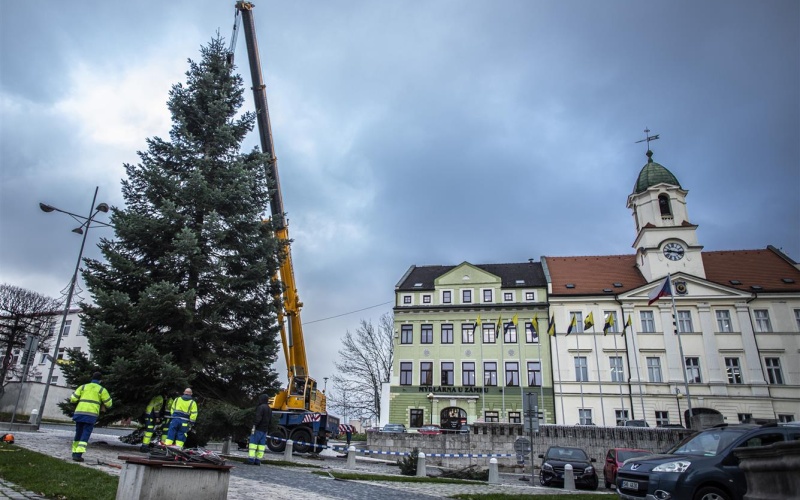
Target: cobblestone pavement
pixel 278 483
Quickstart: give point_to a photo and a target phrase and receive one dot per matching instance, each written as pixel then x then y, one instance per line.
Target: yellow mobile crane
pixel 300 407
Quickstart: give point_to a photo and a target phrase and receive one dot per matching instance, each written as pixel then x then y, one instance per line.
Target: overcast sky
pixel 414 132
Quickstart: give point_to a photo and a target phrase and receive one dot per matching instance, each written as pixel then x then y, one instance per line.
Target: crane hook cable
pixel 345 314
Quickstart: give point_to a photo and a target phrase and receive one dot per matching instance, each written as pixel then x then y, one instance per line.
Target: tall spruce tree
pixel 185 297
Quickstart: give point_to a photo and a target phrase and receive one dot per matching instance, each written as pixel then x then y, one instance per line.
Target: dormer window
pixel 664 205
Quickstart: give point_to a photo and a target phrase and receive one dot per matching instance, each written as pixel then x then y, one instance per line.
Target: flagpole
pixel 580 379
pixel 503 366
pixel 636 362
pixel 619 379
pixel 521 387
pixel 483 368
pixel 680 346
pixel 560 382
pixel 599 382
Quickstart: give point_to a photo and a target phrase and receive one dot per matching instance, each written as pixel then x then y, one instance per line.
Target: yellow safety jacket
pixel 184 409
pixel 154 406
pixel 90 398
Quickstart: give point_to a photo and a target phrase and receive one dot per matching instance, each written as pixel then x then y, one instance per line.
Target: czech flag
pixel 665 290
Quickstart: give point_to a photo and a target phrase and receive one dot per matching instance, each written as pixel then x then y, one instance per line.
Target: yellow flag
pixel 589 322
pixel 551 326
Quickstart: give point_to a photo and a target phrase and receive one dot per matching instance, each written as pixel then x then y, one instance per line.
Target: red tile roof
pixel 596 275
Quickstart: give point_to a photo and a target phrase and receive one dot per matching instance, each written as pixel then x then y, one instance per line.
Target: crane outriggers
pixel 300 407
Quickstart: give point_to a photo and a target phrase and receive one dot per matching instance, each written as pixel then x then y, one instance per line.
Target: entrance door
pixel 452 418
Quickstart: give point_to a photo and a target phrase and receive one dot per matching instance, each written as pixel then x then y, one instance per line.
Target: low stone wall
pixel 772 472
pixel 497 438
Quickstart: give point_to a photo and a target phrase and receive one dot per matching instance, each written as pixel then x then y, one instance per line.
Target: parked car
pixel 615 457
pixel 557 457
pixel 635 423
pixel 394 428
pixel 672 426
pixel 701 467
pixel 431 430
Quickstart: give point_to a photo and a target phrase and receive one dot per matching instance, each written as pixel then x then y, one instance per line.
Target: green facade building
pixel 469 341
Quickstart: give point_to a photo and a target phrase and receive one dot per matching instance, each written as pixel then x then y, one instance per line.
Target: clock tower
pixel 666 242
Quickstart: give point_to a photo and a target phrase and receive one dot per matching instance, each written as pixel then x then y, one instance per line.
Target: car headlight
pixel 547 467
pixel 679 466
pixel 589 470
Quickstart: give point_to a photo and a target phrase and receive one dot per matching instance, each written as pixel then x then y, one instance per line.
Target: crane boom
pixel 301 392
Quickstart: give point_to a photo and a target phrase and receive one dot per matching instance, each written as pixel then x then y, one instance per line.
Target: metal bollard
pixel 569 478
pixel 287 452
pixel 226 446
pixel 421 472
pixel 494 473
pixel 351 457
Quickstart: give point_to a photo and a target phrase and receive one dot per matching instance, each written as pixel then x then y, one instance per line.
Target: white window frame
pixel 733 368
pixel 585 416
pixel 693 373
pixel 484 292
pixel 464 293
pixel 684 320
pixel 427 298
pixel 762 321
pixel 447 297
pixel 578 321
pixel 647 321
pixel 530 296
pixel 581 369
pixel 654 374
pixel 774 371
pixel 617 372
pixel 613 328
pixel 662 418
pixel 724 324
pixel 508 296
pixel 621 416
pixel 408 300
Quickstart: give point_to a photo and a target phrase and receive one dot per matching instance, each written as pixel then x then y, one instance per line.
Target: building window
pixel 581 369
pixel 487 295
pixel 448 373
pixel 530 296
pixel 744 417
pixel 489 373
pixel 426 336
pixel 621 416
pixel 654 370
pixel 724 321
pixel 406 299
pixel 468 333
pixel 585 416
pixel 54 380
pixel 774 372
pixel 81 331
pixel 426 373
pixel 67 326
pixel 734 370
pixel 489 335
pixel 37 378
pixel 534 374
pixel 514 417
pixel 407 334
pixel 426 299
pixel 693 370
pixel 662 418
pixel 468 373
pixel 664 205
pixel 406 373
pixel 447 297
pixel 578 328
pixel 62 353
pixel 512 374
pixel 763 324
pixel 617 371
pixel 797 317
pixel 508 297
pixel 447 334
pixel 491 416
pixel 42 358
pixel 416 417
pixel 612 328
pixel 531 336
pixel 648 323
pixel 510 333
pixel 466 296
pixel 785 418
pixel 685 322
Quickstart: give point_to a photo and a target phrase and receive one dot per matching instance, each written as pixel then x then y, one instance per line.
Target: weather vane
pixel 648 138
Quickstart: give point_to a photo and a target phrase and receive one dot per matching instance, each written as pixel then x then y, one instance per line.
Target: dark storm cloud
pixel 425 133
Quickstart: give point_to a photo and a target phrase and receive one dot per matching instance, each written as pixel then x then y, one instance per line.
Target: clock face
pixel 673 251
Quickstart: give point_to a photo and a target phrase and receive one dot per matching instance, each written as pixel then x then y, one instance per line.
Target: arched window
pixel 663 204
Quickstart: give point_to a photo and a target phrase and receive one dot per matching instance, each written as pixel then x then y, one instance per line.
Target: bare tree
pixel 26 318
pixel 365 364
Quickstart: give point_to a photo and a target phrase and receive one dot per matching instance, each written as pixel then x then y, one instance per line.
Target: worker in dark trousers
pixel 184 415
pixel 258 438
pixel 166 413
pixel 152 418
pixel 90 399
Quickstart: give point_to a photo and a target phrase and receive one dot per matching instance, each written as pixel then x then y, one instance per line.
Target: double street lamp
pixel 430 397
pixel 678 397
pixel 86 223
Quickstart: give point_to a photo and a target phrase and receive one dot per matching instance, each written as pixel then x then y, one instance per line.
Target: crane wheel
pixel 276 440
pixel 301 437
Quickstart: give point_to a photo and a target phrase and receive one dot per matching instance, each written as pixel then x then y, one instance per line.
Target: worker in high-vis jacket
pixel 90 399
pixel 184 415
pixel 258 436
pixel 152 418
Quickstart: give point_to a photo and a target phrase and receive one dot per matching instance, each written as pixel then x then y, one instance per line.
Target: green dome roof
pixel 653 173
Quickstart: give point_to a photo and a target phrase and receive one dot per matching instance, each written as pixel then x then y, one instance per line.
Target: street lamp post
pixel 430 397
pixel 87 221
pixel 325 387
pixel 678 397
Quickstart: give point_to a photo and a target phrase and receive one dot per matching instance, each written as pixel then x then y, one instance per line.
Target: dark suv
pixel 557 457
pixel 701 467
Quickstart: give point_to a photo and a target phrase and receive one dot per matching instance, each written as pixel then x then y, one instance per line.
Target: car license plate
pixel 630 485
